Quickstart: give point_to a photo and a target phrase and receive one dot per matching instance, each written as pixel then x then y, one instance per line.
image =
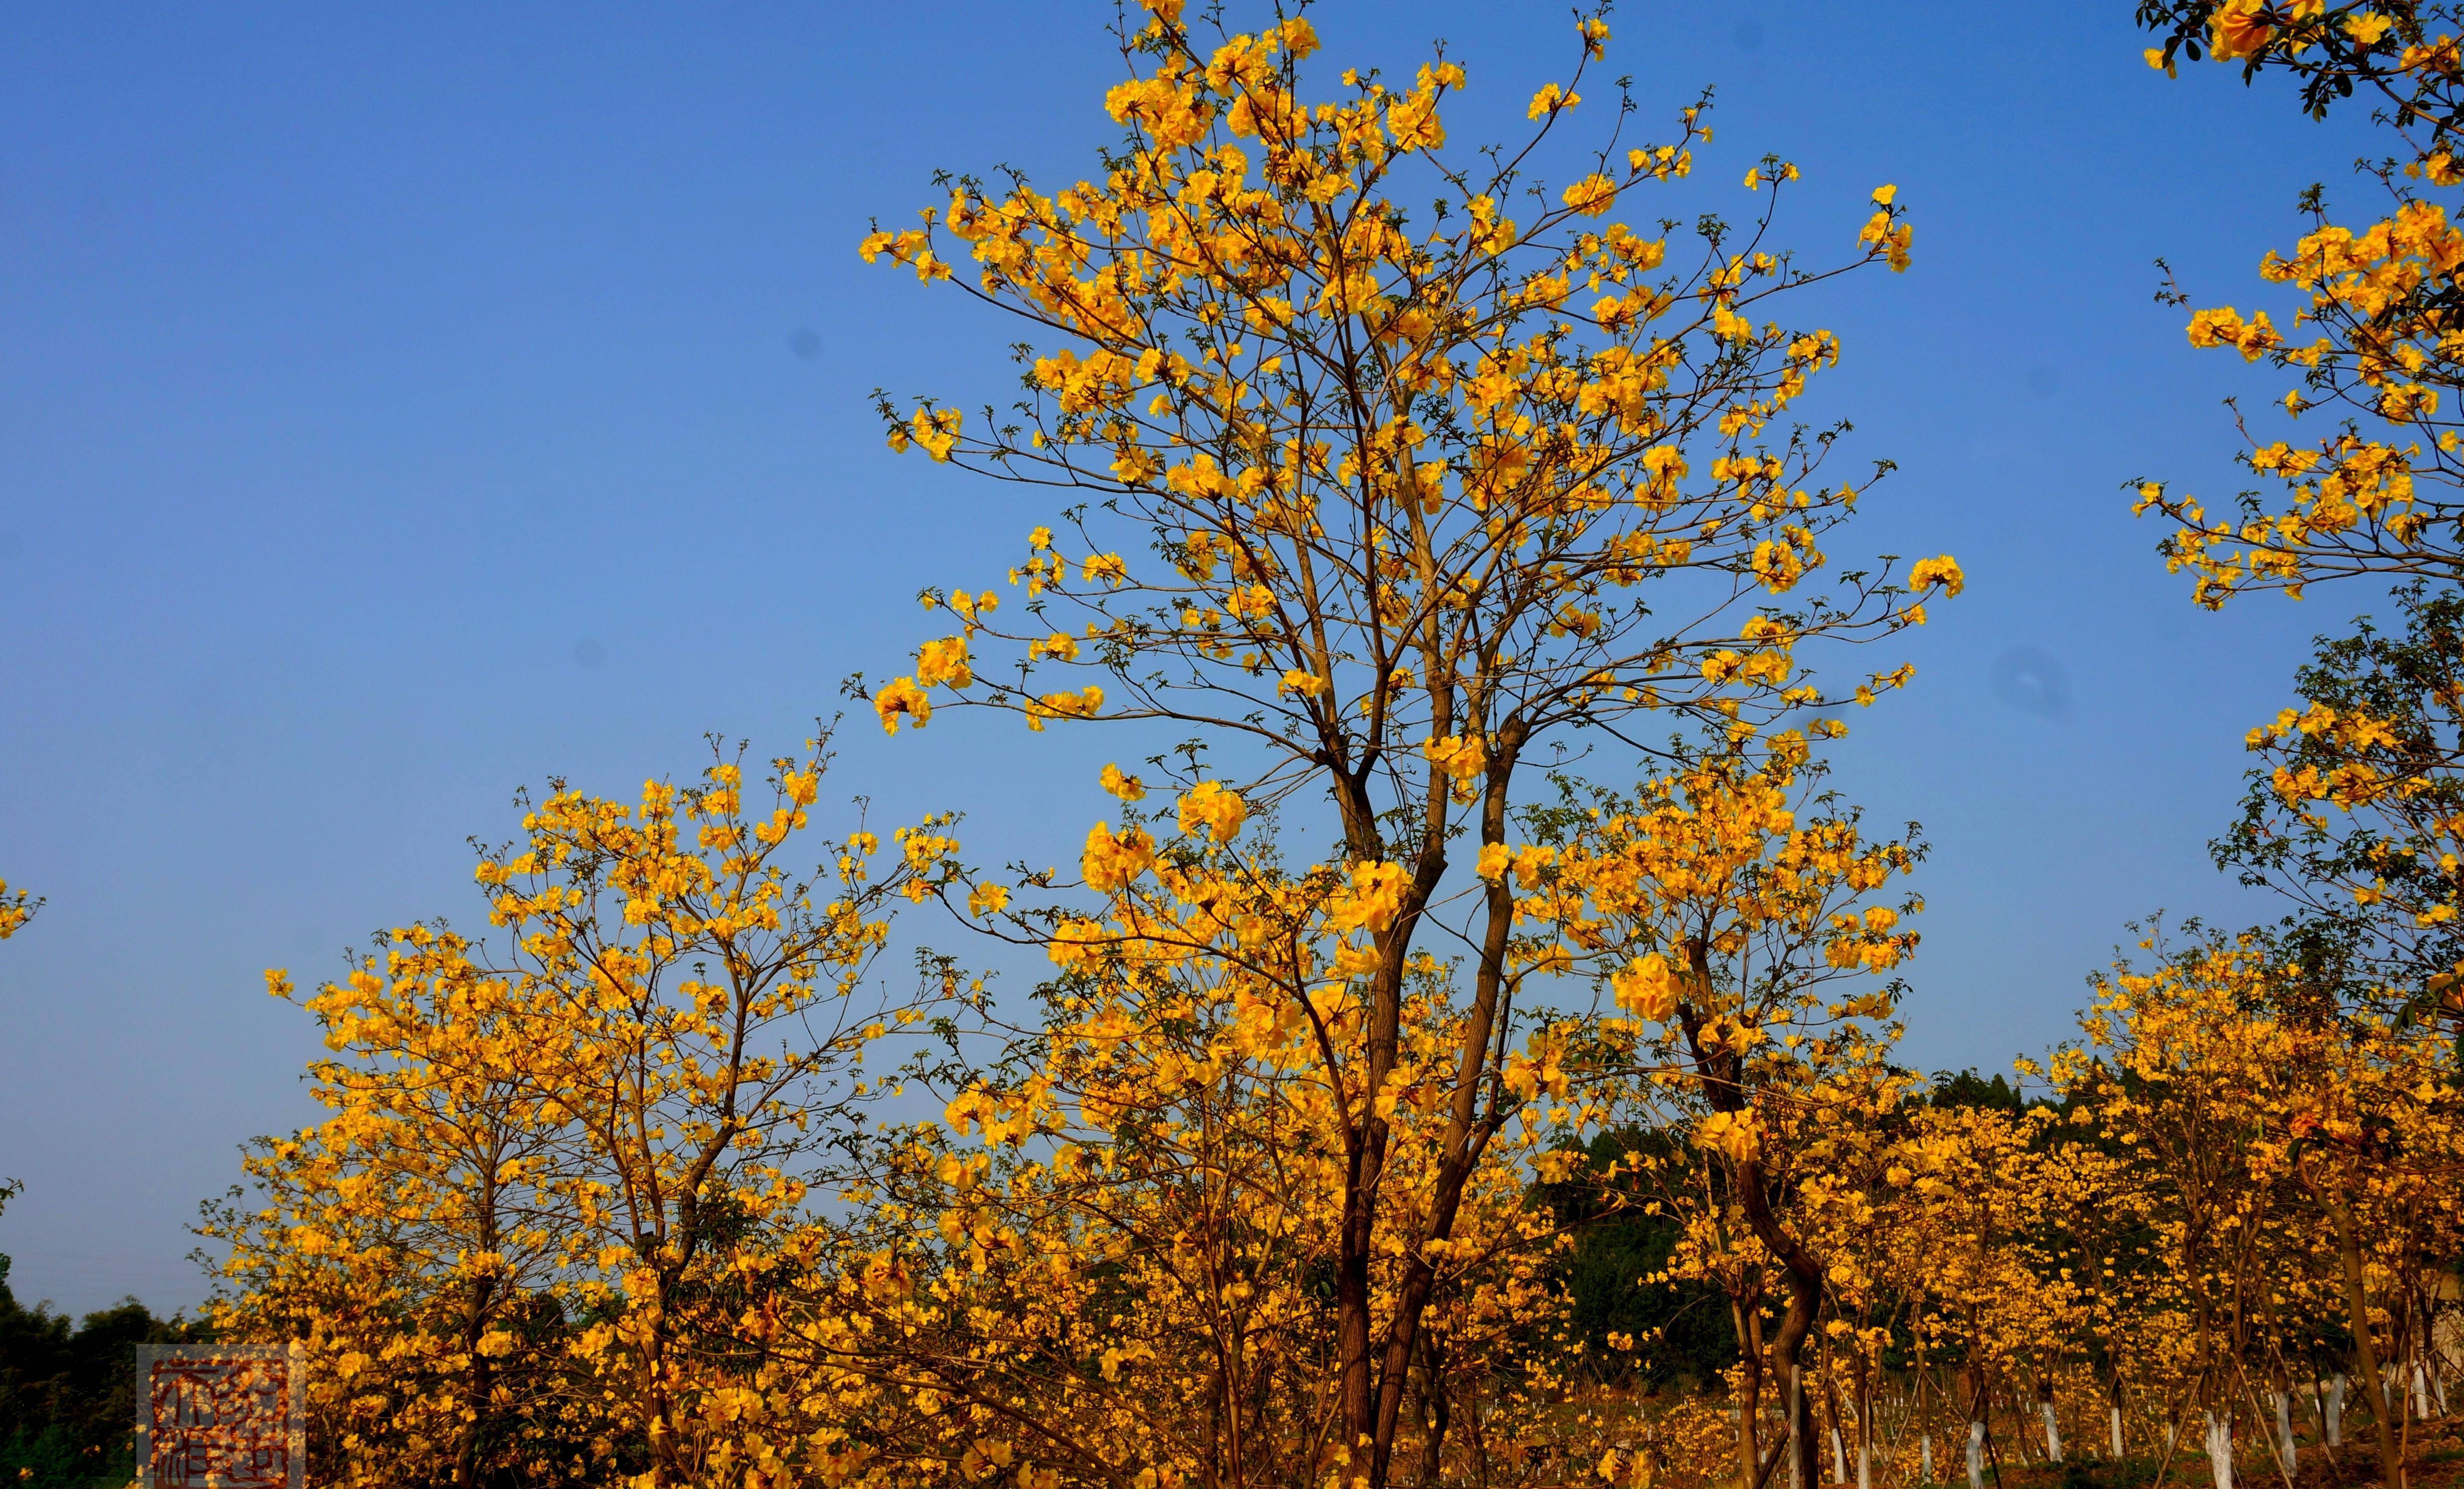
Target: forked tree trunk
pixel 1751 1468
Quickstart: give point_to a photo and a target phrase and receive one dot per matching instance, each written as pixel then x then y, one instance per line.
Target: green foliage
pixel 66 1409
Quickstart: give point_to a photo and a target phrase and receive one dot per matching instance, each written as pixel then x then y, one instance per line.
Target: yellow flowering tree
pixel 2282 1155
pixel 2353 809
pixel 1416 495
pixel 1720 905
pixel 2373 334
pixel 1112 1262
pixel 561 1166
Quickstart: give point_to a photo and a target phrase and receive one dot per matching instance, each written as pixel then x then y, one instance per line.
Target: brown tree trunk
pixel 2357 1317
pixel 1719 1072
pixel 1748 1315
pixel 474 1327
pixel 1432 1447
pixel 1373 1405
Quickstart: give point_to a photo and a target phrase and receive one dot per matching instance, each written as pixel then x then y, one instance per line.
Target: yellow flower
pixel 1085 704
pixel 1592 195
pixel 1735 1134
pixel 1376 894
pixel 1460 757
pixel 1109 862
pixel 935 429
pixel 1943 571
pixel 1128 788
pixel 1644 988
pixel 943 662
pixel 1550 99
pixel 902 696
pixel 1207 809
pixel 2240 29
pixel 1412 121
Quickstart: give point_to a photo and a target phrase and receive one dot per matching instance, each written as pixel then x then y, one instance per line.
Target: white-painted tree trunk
pixel 2220 1447
pixel 1924 1458
pixel 1976 1456
pixel 2053 1434
pixel 1839 1459
pixel 2284 1427
pixel 1865 1459
pixel 2113 1423
pixel 2336 1410
pixel 2420 1390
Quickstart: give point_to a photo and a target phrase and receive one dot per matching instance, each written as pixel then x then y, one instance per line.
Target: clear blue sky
pixel 400 406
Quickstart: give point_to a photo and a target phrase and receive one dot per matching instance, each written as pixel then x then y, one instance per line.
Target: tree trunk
pixel 1433 1449
pixel 1721 1073
pixel 1800 1440
pixel 1865 1430
pixel 2357 1317
pixel 1372 1408
pixel 1750 1467
pixel 2336 1410
pixel 2220 1447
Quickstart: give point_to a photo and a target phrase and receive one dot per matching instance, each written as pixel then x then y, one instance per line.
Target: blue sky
pixel 399 407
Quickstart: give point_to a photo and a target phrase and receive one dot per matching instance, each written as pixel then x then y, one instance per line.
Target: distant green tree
pixel 1967 1088
pixel 67 1408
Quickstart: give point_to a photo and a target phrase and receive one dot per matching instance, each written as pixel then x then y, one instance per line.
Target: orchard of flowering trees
pixel 1470 1059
